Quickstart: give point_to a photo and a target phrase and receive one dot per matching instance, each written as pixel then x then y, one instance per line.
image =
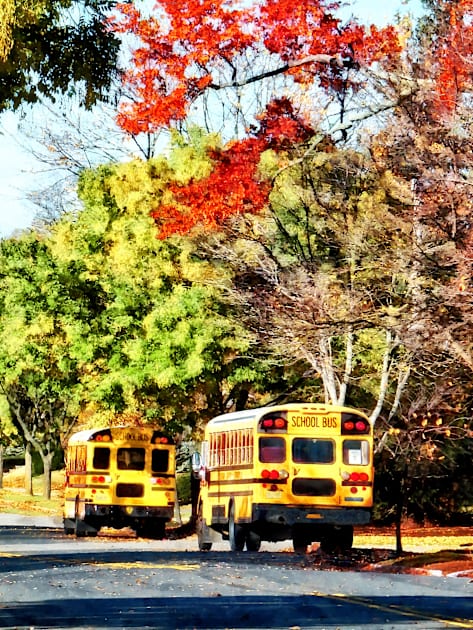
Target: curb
pixel 19 520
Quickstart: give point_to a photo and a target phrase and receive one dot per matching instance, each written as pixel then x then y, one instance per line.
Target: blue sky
pixel 20 173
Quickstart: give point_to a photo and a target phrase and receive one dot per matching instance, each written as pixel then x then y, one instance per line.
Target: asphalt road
pixel 48 580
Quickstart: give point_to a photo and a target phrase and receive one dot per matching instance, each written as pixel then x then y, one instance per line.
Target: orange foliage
pixel 188 48
pixel 233 187
pixel 454 53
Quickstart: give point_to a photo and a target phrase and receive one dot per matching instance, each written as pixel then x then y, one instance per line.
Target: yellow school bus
pixel 302 472
pixel 119 477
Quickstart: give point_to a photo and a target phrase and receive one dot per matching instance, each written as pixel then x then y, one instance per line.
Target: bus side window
pixel 272 450
pixel 159 461
pixel 356 452
pixel 101 459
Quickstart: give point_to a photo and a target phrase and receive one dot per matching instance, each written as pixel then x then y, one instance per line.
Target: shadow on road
pixel 229 612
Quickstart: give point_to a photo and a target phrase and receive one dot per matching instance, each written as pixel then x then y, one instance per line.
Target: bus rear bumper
pixel 289 516
pixel 125 513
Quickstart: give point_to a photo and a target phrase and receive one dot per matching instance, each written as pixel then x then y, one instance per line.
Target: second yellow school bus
pixel 119 477
pixel 296 471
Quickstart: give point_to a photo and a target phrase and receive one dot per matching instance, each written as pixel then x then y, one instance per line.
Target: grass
pixel 14 499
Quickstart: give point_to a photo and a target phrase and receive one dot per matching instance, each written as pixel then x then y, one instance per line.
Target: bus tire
pixel 236 533
pixel 81 531
pixel 153 528
pixel 253 541
pixel 202 531
pixel 345 537
pixel 339 539
pixel 299 544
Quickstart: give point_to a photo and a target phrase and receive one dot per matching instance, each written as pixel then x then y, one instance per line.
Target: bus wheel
pixel 299 543
pixel 253 541
pixel 79 529
pixel 201 530
pixel 154 528
pixel 236 533
pixel 338 539
pixel 345 537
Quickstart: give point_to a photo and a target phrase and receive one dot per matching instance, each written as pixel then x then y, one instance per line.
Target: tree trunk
pixel 399 513
pixel 1 466
pixel 28 470
pixel 399 550
pixel 47 474
pixel 177 513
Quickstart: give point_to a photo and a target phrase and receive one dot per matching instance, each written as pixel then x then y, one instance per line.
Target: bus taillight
pixel 353 425
pixel 273 423
pixel 98 479
pixel 160 481
pixel 355 478
pixel 274 474
pixel 269 474
pixel 358 476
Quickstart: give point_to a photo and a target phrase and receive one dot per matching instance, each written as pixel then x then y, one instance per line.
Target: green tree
pixel 45 314
pixel 166 345
pixel 55 46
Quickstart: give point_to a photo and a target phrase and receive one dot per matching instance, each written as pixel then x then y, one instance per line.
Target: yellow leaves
pixel 7 21
pixel 428 449
pixel 462 284
pixel 42 326
pixel 397 188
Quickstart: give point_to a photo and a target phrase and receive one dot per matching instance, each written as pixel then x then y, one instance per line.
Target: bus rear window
pixel 272 450
pixel 131 458
pixel 159 461
pixel 101 459
pixel 312 451
pixel 356 452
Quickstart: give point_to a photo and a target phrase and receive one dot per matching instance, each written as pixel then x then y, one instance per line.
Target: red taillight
pixel 100 479
pixel 354 490
pixel 270 474
pixel 355 476
pixel 363 476
pixel 163 440
pixel 360 425
pixel 271 424
pixel 349 426
pixel 101 438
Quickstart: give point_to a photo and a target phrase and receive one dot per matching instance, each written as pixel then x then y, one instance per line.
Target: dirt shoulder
pixel 426 550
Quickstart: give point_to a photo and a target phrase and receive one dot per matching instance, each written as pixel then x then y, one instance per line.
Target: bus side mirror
pixel 196 464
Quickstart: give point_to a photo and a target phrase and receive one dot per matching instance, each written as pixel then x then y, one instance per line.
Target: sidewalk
pixel 19 520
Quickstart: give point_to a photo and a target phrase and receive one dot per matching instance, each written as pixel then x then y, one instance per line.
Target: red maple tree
pixel 452 52
pixel 187 49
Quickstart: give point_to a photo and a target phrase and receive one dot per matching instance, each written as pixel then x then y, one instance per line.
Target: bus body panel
pixel 304 480
pixel 119 477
